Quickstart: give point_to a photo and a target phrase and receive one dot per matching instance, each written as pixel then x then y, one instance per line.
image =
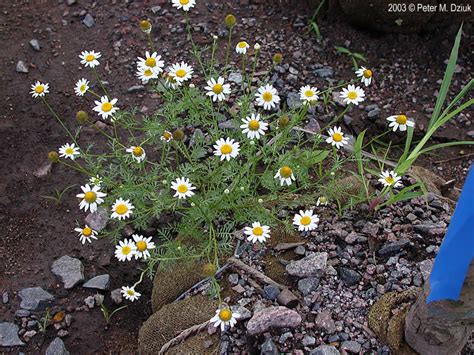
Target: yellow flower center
pixel 184 2
pixel 171 78
pixel 267 96
pixel 69 150
pixel 167 135
pixel 130 293
pixel 401 119
pixel 82 88
pixel 106 106
pixel 337 137
pixel 305 220
pixel 257 231
pixel 141 245
pixel 137 151
pixel 90 196
pixel 90 57
pixel 226 149
pixel 145 25
pixel 367 73
pixel 225 314
pixel 126 250
pixel 180 73
pixel 39 89
pixel 148 72
pixel 323 199
pixel 352 95
pixel 254 125
pixel 242 44
pixel 182 189
pixel 309 93
pixel 286 172
pixel 150 62
pixel 390 180
pixel 87 232
pixel 217 88
pixel 121 209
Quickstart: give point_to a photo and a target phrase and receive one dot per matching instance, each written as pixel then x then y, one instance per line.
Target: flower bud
pixel 209 269
pixel 226 191
pixel 145 26
pixel 277 58
pixel 256 47
pixel 230 20
pixel 283 121
pixel 53 156
pixel 178 135
pixel 82 117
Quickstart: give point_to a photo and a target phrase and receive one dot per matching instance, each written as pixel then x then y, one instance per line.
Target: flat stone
pixel 22 313
pixel 235 78
pixel 135 88
pixel 90 301
pixel 229 124
pixel 393 248
pixel 69 270
pixel 325 350
pixel 21 67
pixel 269 347
pixel 57 347
pixel 429 229
pixel 35 45
pixel 324 72
pixel 97 220
pixel 287 298
pixel 351 346
pixel 324 321
pixel 270 292
pixel 35 298
pixel 88 20
pixel 308 285
pixel 243 312
pixel 271 318
pixel 373 113
pixel 308 340
pixel 293 101
pixel 311 265
pixel 370 229
pixel 349 277
pixel 101 282
pixel 313 126
pixel 9 335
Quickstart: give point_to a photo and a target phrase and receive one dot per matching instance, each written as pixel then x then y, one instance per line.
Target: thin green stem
pixel 100 83
pixel 60 121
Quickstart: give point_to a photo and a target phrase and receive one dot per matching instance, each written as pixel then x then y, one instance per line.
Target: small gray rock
pixel 273 317
pixel 425 268
pixel 300 250
pixel 270 292
pixel 308 340
pixel 35 44
pixel 235 78
pixel 234 279
pixel 229 124
pixel 9 335
pixel 269 347
pixel 97 220
pixel 5 297
pixel 135 88
pixel 90 301
pixel 69 270
pixel 101 282
pixel 325 350
pixel 88 20
pixel 57 347
pixel 324 321
pixel 243 312
pixel 311 265
pixel 293 101
pixel 308 285
pixel 351 346
pixel 394 247
pixel 324 72
pixel 35 298
pixel 373 113
pixel 21 67
pixel 22 313
pixel 156 9
pixel 313 126
pixel 116 296
pixel 350 277
pixel 338 99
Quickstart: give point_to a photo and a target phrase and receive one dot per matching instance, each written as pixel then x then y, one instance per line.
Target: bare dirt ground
pixel 35 231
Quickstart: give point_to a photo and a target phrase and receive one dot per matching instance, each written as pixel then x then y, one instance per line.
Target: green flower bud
pixel 53 157
pixel 82 117
pixel 230 20
pixel 277 58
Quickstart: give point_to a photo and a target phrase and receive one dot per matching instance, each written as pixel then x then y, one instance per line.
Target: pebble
pixel 273 317
pixel 21 67
pixel 101 282
pixel 373 113
pixel 71 2
pixel 349 277
pixel 235 78
pixel 22 313
pixel 324 320
pixel 135 88
pixel 234 279
pixel 300 250
pixel 287 298
pixel 57 347
pixel 97 220
pixel 308 340
pixel 243 312
pixel 35 45
pixel 293 101
pixel 5 297
pixel 29 334
pixel 393 248
pixel 69 270
pixel 90 301
pixel 308 285
pixel 9 335
pixel 35 298
pixel 269 347
pixel 311 265
pixel 324 72
pixel 116 296
pixel 88 20
pixel 351 346
pixel 325 350
pixel 270 292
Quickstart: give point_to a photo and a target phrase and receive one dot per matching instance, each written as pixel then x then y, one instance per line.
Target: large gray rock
pixel 325 350
pixel 101 282
pixel 57 347
pixel 35 298
pixel 70 270
pixel 271 318
pixel 9 335
pixel 310 266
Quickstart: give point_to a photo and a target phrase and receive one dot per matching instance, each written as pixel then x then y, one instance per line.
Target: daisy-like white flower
pixel 242 47
pixel 86 234
pixel 166 136
pixel 81 87
pixel 257 233
pixel 95 180
pixel 122 209
pixel 253 127
pixel 224 317
pixel 226 149
pixel 129 293
pixel 69 151
pixel 286 176
pixel 145 74
pixel 143 245
pixel 306 220
pixel 217 89
pixel 183 188
pixel 138 153
pixel 89 58
pixel 400 122
pixel 151 61
pixel 267 96
pixel 322 201
pixel 186 5
pixel 352 95
pixel 91 197
pixel 125 250
pixel 39 89
pixel 309 94
pixel 336 137
pixel 181 72
pixel 390 178
pixel 105 108
pixel 365 75
pixel 171 82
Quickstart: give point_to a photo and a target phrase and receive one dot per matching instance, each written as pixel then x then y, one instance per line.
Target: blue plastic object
pixel 457 250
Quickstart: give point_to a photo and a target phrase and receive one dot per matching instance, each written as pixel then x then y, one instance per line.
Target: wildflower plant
pixel 216 159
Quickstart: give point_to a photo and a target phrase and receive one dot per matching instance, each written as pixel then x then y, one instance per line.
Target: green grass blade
pixel 459 96
pixel 408 141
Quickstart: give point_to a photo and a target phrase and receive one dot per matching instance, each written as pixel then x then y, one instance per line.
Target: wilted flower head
pixel 145 26
pixel 53 156
pixel 178 135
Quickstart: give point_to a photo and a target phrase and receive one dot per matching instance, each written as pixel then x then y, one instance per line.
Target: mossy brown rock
pixel 171 319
